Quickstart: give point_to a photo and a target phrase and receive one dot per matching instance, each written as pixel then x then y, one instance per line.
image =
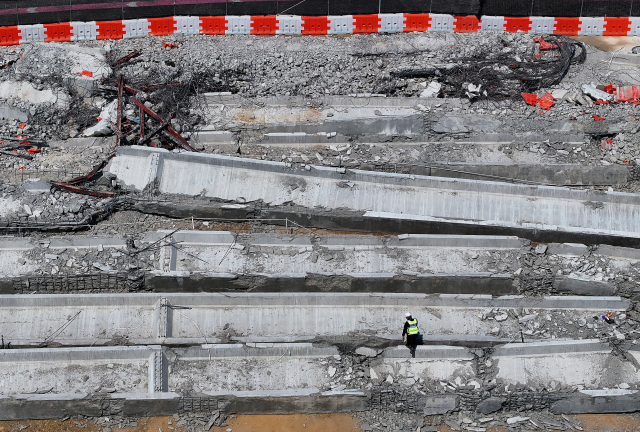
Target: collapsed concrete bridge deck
pixel 377 201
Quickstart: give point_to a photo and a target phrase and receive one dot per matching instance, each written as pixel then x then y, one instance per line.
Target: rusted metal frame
pixel 79 190
pixel 23 141
pixel 131 89
pixel 119 121
pixel 89 176
pixel 119 134
pixel 154 132
pixel 21 156
pixel 177 138
pixel 157 86
pixel 170 132
pixel 128 57
pixel 141 124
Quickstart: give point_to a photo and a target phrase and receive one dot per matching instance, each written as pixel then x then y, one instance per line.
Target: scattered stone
pixel 373 374
pixel 527 318
pixel 513 420
pixel 501 317
pixel 368 352
pixel 541 248
pixel 490 405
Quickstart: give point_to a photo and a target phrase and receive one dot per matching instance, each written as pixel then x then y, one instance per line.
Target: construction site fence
pixel 297 25
pixel 15 12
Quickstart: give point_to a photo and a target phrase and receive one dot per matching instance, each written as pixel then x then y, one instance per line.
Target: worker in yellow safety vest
pixel 411 332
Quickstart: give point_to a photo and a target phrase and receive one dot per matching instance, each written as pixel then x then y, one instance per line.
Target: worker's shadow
pixel 419 340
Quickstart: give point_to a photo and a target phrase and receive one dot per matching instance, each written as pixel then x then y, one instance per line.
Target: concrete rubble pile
pixel 202 227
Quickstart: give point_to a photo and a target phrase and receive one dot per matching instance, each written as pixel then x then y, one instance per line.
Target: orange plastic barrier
pixel 466 24
pixel 567 26
pixel 366 23
pixel 213 25
pixel 513 24
pixel 110 30
pixel 162 26
pixel 616 26
pixel 315 25
pixel 9 36
pixel 57 32
pixel 263 24
pixel 417 22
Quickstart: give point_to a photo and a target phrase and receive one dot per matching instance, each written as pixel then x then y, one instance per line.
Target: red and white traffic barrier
pixel 317 25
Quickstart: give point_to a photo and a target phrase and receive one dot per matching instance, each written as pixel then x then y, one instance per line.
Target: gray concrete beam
pixel 386 196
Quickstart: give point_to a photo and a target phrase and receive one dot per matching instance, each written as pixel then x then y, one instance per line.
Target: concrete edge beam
pixel 197 353
pixel 551 348
pixel 70 354
pixel 431 352
pixel 149 300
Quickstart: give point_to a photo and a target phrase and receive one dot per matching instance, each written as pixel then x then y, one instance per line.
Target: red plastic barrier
pixel 366 23
pixel 110 30
pixel 162 26
pixel 616 26
pixel 466 24
pixel 530 98
pixel 264 24
pixel 213 25
pixel 567 26
pixel 417 22
pixel 627 94
pixel 513 24
pixel 57 32
pixel 546 101
pixel 9 36
pixel 315 25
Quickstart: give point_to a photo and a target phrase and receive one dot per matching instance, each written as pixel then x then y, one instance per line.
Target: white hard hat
pixel 408 314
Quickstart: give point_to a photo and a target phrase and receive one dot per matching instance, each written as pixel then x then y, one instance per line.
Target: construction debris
pixel 414 106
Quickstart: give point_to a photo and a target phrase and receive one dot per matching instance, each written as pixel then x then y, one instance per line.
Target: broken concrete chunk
pixel 541 248
pixel 101 267
pixel 432 90
pixel 513 420
pixel 373 374
pixel 389 379
pixel 440 404
pixel 490 405
pixel 527 318
pixel 501 317
pixel 331 371
pixel 51 256
pixel 593 92
pixel 368 352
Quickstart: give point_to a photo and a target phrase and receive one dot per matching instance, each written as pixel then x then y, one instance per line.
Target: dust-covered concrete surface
pixel 515 333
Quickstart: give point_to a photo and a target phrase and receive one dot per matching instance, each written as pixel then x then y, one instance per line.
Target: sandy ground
pixel 610 43
pixel 589 422
pixel 297 423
